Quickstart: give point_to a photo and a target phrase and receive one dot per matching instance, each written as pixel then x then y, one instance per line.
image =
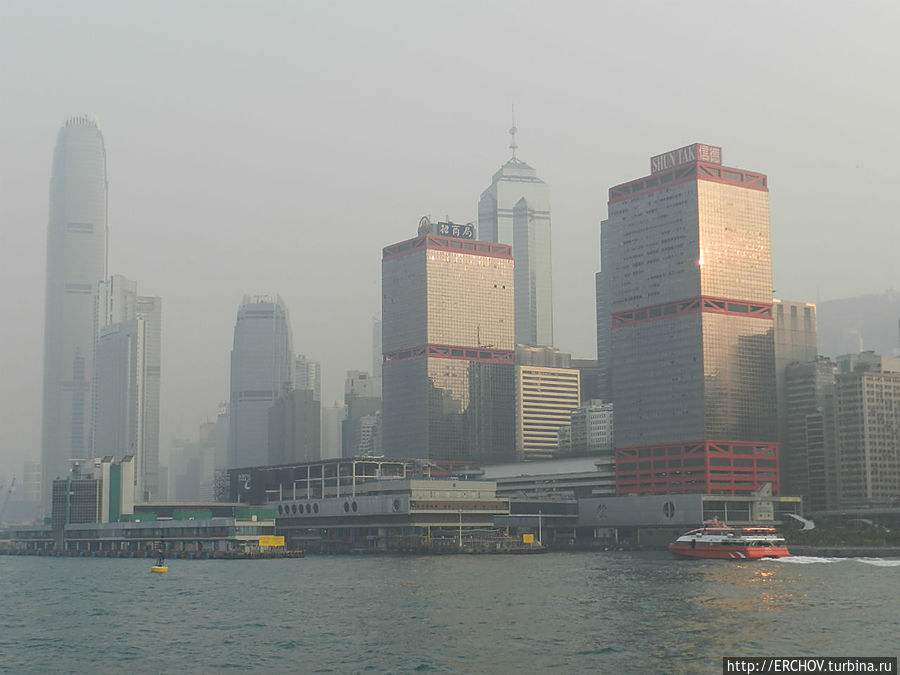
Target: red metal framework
pixel 451 352
pixel 709 467
pixel 704 304
pixel 686 173
pixel 450 244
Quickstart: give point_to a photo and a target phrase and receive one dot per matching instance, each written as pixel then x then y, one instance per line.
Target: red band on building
pixel 689 172
pixel 449 244
pixel 451 352
pixel 701 304
pixel 711 467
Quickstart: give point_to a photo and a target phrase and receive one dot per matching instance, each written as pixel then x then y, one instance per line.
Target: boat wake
pixel 809 559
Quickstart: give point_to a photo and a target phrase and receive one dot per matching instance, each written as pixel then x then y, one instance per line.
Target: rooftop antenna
pixel 512 133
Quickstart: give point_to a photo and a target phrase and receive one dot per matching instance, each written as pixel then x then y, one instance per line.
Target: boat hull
pixel 728 552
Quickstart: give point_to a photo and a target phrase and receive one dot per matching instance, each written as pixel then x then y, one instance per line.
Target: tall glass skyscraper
pixel 515 210
pixel 687 286
pixel 76 263
pixel 262 366
pixel 447 321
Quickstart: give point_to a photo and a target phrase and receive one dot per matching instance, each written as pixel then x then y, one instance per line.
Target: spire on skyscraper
pixel 512 135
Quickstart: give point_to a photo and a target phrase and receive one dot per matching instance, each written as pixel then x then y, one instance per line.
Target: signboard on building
pixel 698 152
pixel 271 540
pixel 455 230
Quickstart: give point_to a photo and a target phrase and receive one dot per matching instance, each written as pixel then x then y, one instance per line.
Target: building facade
pixel 261 371
pixel 795 342
pixel 687 282
pixel 76 263
pixel 592 429
pixel 545 401
pixel 127 380
pixel 295 428
pixel 363 401
pixel 308 375
pixel 448 373
pixel 97 490
pixel 867 402
pixel 515 210
pixel 809 464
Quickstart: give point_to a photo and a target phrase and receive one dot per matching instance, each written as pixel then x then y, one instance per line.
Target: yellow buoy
pixel 159 568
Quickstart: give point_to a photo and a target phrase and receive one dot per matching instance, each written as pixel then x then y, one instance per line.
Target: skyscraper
pixel 76 263
pixel 515 210
pixel 126 380
pixel 867 405
pixel 795 342
pixel 809 467
pixel 448 377
pixel 295 433
pixel 308 376
pixel 261 371
pixel 687 282
pixel 362 398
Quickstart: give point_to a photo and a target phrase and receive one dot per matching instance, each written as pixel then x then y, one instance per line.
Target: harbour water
pixel 563 612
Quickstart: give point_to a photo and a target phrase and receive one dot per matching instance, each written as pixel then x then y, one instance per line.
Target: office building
pixel 308 375
pixel 809 460
pixel 363 402
pixel 76 262
pixel 332 419
pixel 867 402
pixel 795 342
pixel 295 428
pixel 591 378
pixel 262 365
pixel 97 490
pixel 515 210
pixel 127 380
pixel 448 375
pixel 547 392
pixel 687 281
pixel 591 429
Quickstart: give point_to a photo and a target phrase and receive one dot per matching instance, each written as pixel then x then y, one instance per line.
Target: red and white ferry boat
pixel 718 540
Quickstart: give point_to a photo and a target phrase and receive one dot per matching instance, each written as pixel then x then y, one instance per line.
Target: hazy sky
pixel 276 147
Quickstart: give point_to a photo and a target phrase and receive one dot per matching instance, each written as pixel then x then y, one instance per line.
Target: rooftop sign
pixel 698 152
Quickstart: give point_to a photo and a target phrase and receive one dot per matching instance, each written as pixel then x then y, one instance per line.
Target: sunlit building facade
pixel 545 401
pixel 447 334
pixel 76 263
pixel 687 283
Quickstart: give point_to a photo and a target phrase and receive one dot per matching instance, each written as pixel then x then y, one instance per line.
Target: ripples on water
pixel 562 612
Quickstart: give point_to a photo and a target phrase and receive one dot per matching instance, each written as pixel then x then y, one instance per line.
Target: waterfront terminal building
pixel 374 504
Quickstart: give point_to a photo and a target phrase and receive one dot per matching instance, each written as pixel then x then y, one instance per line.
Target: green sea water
pixel 560 612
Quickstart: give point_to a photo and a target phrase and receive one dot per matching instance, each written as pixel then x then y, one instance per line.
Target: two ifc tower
pixel 101 340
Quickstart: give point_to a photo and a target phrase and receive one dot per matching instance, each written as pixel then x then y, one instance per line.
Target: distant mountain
pixel 865 322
